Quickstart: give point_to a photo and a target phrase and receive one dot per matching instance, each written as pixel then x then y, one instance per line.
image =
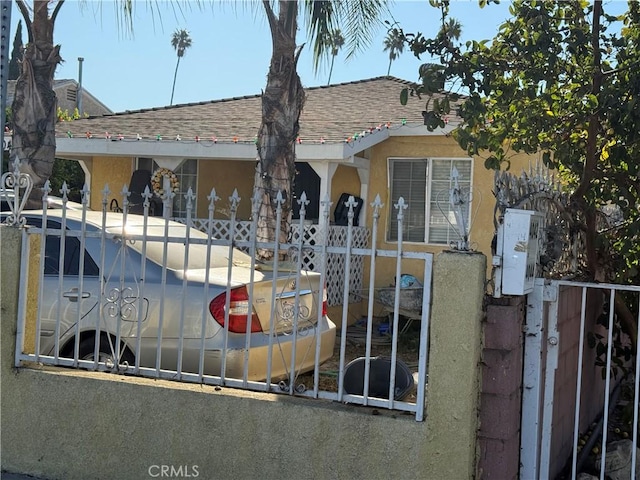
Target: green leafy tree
pixel 16 53
pixel 65 116
pixel 337 41
pixel 180 41
pixel 68 171
pixel 561 80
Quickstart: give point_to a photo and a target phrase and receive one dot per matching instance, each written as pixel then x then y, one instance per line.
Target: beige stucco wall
pixel 67 424
pixel 482 228
pixel 112 171
pixel 225 176
pixel 436 146
pixel 345 180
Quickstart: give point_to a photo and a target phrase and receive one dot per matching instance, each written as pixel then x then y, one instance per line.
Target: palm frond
pixel 358 21
pixel 321 21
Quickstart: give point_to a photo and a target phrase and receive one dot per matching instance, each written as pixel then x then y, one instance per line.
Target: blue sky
pixel 230 52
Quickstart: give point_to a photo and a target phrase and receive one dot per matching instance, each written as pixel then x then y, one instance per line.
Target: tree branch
pixel 27 21
pixel 594 123
pixel 55 11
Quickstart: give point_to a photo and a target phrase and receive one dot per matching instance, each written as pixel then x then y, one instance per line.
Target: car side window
pixel 52 252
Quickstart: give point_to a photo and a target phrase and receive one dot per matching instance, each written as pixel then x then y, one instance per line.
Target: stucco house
pixel 355 138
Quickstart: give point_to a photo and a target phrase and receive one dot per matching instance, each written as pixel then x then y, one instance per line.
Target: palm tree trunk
pixel 35 104
pixel 175 76
pixel 282 103
pixel 331 69
pixel 389 69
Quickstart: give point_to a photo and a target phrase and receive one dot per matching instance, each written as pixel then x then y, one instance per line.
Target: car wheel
pixel 87 350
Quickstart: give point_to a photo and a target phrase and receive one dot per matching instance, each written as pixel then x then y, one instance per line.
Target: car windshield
pixel 175 251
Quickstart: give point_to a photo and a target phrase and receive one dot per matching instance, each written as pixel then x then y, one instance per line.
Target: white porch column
pixel 87 173
pixel 325 171
pixel 364 174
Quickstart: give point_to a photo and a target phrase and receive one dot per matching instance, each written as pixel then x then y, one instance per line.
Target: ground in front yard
pixel 381 346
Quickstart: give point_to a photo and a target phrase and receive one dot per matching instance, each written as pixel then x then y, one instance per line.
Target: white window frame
pixel 392 217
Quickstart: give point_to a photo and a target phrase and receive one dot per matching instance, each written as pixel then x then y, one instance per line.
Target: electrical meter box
pixel 519 245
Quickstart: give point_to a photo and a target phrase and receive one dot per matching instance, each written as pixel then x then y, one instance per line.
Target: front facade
pixel 355 138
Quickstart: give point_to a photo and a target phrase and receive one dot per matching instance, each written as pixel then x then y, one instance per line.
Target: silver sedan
pixel 164 296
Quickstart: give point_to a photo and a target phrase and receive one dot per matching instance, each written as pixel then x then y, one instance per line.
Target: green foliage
pixel 68 171
pixel 560 80
pixel 622 350
pixel 16 54
pixel 8 118
pixel 65 116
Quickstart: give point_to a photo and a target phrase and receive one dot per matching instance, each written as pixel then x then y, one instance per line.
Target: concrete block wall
pixel 71 424
pixel 501 398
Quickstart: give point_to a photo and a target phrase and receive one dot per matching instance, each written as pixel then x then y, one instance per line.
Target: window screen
pixel 434 220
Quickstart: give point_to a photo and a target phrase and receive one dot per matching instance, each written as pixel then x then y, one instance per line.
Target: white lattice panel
pixel 311 261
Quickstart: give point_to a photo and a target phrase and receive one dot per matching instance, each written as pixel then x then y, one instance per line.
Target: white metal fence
pixel 134 294
pixel 581 381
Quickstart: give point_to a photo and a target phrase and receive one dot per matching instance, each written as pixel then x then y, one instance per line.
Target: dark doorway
pixel 308 181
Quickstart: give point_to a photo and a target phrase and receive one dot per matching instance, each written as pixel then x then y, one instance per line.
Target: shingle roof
pixel 11 88
pixel 95 106
pixel 333 113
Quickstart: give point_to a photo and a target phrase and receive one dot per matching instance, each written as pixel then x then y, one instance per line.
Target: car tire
pixel 87 349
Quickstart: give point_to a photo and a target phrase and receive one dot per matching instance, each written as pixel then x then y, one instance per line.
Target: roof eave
pixel 416 130
pixel 88 147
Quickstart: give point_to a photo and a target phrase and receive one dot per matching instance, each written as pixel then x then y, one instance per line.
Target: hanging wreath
pixel 157 181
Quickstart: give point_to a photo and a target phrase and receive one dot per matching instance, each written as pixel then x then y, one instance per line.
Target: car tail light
pixel 238 310
pixel 324 302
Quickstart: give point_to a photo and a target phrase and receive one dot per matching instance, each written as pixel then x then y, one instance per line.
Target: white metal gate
pixel 577 380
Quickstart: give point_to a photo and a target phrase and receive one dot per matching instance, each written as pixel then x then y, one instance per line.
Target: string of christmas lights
pixel 236 139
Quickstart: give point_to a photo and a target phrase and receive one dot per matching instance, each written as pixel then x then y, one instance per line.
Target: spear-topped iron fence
pixel 142 295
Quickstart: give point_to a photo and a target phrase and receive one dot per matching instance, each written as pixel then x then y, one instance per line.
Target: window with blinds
pixel 425 184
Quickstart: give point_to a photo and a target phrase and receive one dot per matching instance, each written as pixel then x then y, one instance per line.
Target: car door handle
pixel 73 295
